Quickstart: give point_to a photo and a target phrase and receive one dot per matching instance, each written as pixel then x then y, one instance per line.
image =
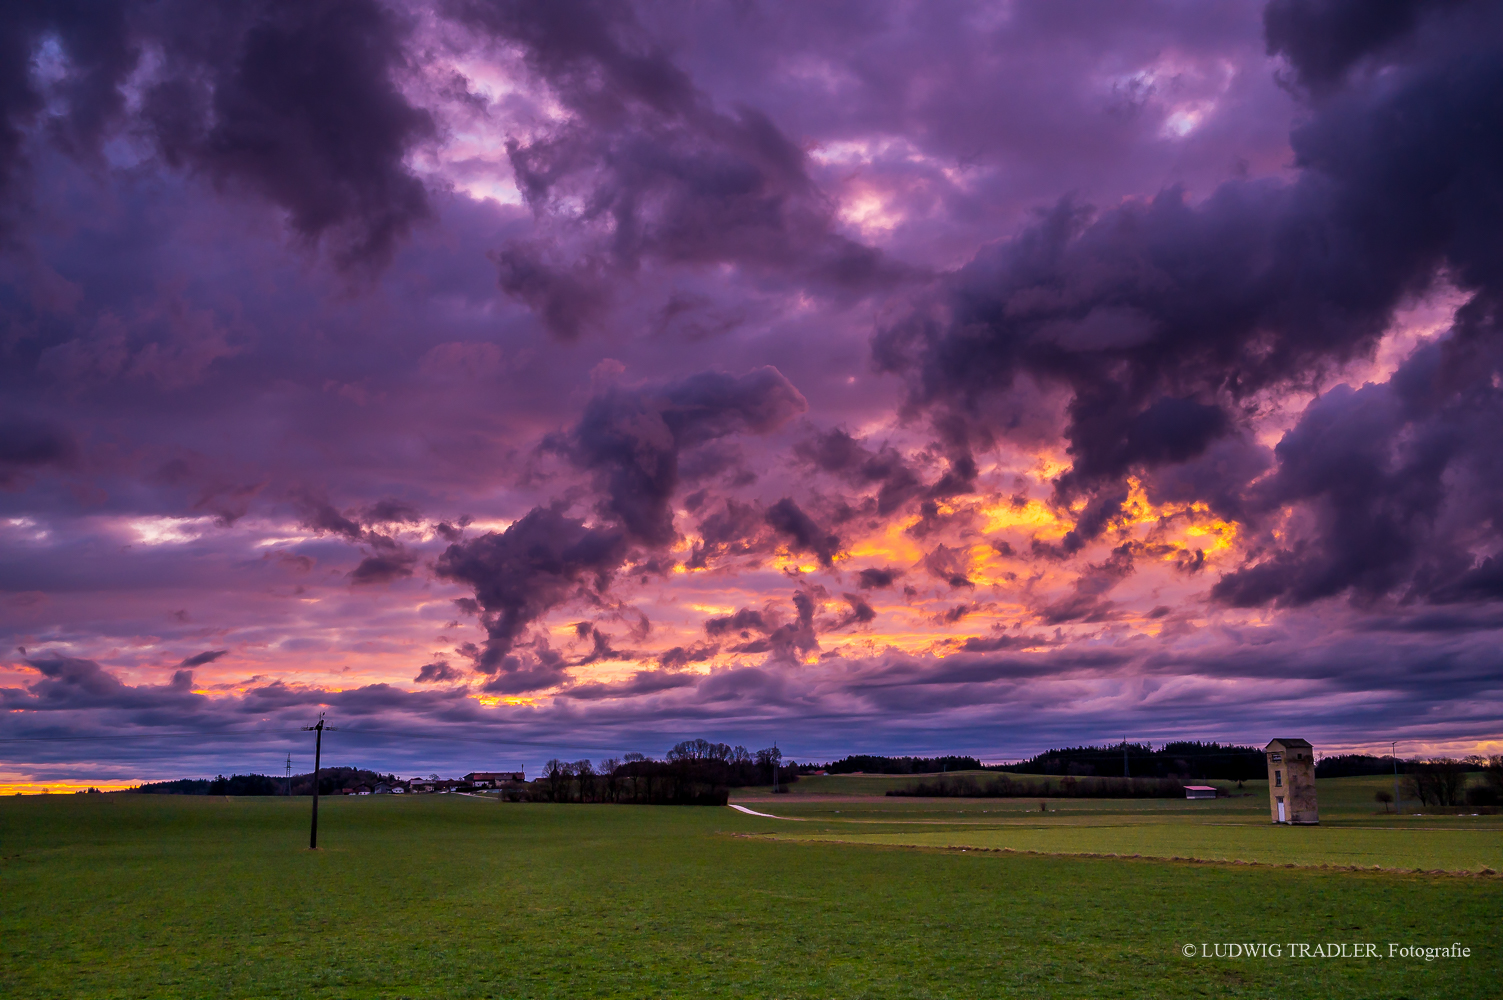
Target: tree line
pixel 1191 759
pixel 695 772
pixel 1068 787
pixel 331 781
pixel 875 764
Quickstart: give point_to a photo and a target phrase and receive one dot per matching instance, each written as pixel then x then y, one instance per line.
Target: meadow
pixel 449 896
pixel 1354 830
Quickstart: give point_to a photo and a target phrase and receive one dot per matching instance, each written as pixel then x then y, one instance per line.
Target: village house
pixel 426 785
pixel 1291 782
pixel 1200 791
pixel 492 778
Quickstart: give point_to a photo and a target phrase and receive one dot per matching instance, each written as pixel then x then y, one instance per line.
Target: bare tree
pixel 1440 781
pixel 691 750
pixel 585 772
pixel 608 769
pixel 768 760
pixel 633 757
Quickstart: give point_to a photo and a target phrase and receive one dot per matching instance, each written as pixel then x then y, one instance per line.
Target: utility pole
pixel 777 760
pixel 1395 748
pixel 289 776
pixel 318 749
pixel 1125 773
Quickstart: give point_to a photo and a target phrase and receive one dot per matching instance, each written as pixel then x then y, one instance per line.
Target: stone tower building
pixel 1291 782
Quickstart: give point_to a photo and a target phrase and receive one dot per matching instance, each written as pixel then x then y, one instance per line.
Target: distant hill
pixel 331 781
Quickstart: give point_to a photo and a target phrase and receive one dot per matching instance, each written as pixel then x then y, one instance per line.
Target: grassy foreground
pixel 442 896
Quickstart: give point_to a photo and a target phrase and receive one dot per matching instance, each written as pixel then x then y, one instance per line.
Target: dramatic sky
pixel 872 376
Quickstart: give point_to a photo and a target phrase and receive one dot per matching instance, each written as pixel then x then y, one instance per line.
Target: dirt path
pixel 753 812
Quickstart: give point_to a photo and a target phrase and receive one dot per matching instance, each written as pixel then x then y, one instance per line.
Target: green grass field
pixel 1354 830
pixel 444 896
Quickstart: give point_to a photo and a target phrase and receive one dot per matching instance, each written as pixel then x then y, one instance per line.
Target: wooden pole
pixel 318 750
pixel 1396 801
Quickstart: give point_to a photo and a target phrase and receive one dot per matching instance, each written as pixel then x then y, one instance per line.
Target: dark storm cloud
pixel 1483 582
pixel 679 656
pixel 755 685
pixel 744 621
pixel 519 574
pixel 1217 476
pixel 527 669
pixel 997 643
pixel 70 683
pixel 293 102
pixel 388 559
pixel 391 511
pixel 1149 317
pixel 732 529
pixel 861 612
pixel 1160 319
pixel 664 174
pixel 568 298
pixel 1402 481
pixel 207 656
pixel 28 445
pixel 601 650
pixel 949 564
pixel 802 532
pixel 437 672
pixel 836 451
pixel 320 515
pixel 875 578
pixel 297 103
pixel 93 39
pixel 1323 39
pixel 783 641
pixel 1401 476
pixel 632 438
pixel 384 567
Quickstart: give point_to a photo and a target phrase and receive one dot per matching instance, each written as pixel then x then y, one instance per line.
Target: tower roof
pixel 1288 743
